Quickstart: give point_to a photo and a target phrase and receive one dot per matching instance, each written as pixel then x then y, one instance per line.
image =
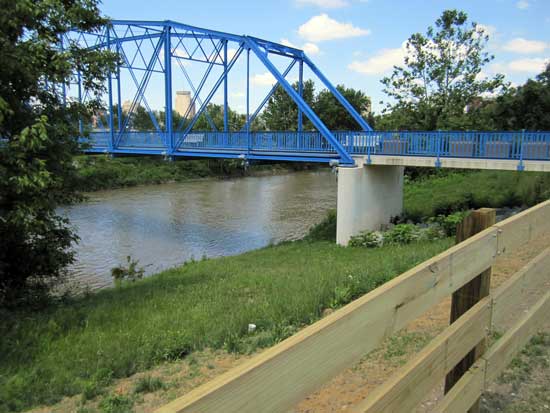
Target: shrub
pixel 131 273
pixel 368 239
pixel 402 234
pixel 324 230
pixel 149 384
pixel 116 403
pixel 449 223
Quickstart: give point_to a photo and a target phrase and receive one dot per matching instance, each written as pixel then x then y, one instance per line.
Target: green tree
pixel 441 77
pixel 37 173
pixel 281 113
pixel 334 115
pixel 236 120
pixel 141 120
pixel 524 107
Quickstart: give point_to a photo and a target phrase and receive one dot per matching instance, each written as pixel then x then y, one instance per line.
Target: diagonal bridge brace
pixel 345 158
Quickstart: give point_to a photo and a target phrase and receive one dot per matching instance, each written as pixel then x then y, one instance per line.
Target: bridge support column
pixel 368 197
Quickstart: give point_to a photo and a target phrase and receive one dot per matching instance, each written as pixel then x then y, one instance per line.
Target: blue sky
pixel 354 42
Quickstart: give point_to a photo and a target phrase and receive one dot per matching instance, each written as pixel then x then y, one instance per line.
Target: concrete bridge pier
pixel 368 197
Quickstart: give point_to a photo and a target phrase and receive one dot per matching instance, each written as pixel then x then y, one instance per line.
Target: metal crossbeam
pixel 140 42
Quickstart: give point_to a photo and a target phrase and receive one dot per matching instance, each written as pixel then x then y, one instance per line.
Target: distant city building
pixel 126 106
pixel 183 103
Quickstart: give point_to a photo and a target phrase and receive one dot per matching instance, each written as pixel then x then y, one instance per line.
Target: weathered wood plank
pixel 469 387
pixel 408 387
pixel 466 296
pixel 466 391
pixel 513 292
pixel 523 227
pixel 281 376
pixel 505 349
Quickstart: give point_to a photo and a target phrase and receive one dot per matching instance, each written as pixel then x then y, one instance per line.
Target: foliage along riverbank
pixel 102 172
pixel 439 195
pixel 81 345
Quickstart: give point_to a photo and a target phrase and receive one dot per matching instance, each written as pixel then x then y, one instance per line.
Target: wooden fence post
pixel 468 295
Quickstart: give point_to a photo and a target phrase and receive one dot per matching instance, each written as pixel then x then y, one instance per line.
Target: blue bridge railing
pixel 520 145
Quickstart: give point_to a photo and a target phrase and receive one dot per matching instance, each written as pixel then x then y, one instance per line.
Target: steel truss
pixel 157 45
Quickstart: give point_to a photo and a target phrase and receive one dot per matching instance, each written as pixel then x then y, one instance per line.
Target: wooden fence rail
pixel 280 377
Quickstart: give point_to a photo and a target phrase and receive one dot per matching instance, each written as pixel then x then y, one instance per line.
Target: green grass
pixel 449 192
pixel 459 191
pixel 149 384
pixel 523 386
pixel 81 346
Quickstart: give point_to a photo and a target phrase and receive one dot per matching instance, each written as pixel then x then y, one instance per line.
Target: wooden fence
pixel 280 377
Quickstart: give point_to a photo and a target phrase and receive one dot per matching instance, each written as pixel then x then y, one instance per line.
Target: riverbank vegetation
pixel 209 303
pixel 96 172
pixel 437 196
pixel 78 347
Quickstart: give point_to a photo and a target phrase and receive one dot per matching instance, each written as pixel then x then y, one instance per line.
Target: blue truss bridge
pixel 165 50
pixel 314 147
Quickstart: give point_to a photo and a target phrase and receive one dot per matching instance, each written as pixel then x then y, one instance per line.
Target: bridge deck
pixel 453 149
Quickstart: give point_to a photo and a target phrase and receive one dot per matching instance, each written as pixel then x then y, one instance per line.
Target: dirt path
pixel 144 392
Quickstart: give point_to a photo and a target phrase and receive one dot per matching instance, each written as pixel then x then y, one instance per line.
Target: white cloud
pixel 263 79
pixel 535 65
pixel 522 4
pixel 497 68
pixel 180 53
pixel 322 27
pixel 524 46
pixel 527 65
pixel 382 62
pixel 288 43
pixel 230 54
pixel 325 4
pixel 309 48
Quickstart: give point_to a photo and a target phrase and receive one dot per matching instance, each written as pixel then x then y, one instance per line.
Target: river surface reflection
pixel 166 225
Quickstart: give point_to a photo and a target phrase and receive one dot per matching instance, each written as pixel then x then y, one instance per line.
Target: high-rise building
pixel 126 106
pixel 183 103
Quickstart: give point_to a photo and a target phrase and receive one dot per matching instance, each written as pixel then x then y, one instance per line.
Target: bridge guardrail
pixel 518 146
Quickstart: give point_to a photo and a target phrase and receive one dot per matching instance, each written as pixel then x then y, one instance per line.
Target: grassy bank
pixel 102 172
pixel 80 346
pixel 459 191
pixel 449 192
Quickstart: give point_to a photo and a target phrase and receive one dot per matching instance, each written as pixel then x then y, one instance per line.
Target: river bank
pixel 80 346
pixel 99 172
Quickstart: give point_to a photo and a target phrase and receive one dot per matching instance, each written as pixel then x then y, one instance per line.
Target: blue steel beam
pixel 110 91
pixel 195 97
pixel 248 99
pixel 141 89
pixel 346 159
pixel 300 92
pixel 272 46
pixel 119 95
pixel 268 96
pixel 210 95
pixel 168 89
pixel 192 86
pixel 343 101
pixel 225 90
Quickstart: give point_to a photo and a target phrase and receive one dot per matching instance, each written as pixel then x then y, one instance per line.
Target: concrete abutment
pixel 368 197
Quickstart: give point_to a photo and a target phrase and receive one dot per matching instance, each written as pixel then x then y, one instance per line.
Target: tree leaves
pixel 441 75
pixel 38 135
